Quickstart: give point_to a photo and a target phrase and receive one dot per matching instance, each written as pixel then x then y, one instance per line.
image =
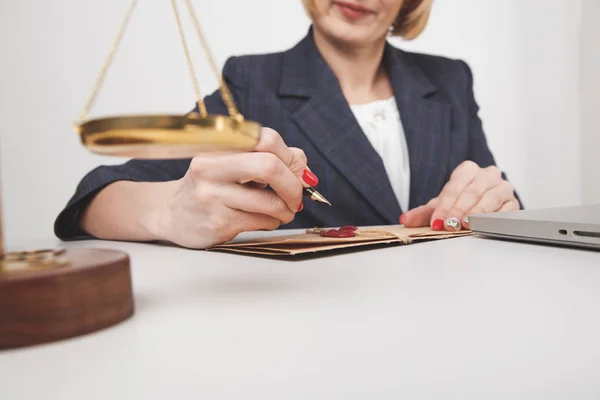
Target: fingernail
pixel 466 220
pixel 453 223
pixel 438 225
pixel 310 178
pixel 301 206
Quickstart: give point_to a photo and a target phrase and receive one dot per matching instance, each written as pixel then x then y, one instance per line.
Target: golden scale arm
pixel 54 294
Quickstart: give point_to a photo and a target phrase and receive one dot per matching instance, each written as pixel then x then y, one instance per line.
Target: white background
pixel 536 65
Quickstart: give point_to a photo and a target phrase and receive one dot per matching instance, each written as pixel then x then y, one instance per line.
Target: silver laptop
pixel 570 226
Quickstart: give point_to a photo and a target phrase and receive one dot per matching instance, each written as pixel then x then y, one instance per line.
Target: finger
pixel 511 205
pixel 262 168
pixel 241 221
pixel 256 201
pixel 294 158
pixel 419 216
pixel 487 179
pixel 494 199
pixel 271 142
pixel 461 178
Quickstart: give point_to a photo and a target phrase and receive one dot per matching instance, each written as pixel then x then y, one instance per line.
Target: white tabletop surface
pixel 465 318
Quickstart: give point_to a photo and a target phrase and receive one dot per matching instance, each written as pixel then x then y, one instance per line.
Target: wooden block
pixel 81 291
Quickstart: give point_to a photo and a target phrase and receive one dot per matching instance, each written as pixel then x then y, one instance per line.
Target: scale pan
pixel 167 136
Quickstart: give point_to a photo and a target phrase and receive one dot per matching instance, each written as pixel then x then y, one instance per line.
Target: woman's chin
pixel 348 33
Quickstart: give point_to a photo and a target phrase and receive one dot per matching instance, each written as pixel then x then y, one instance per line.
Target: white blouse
pixel 380 121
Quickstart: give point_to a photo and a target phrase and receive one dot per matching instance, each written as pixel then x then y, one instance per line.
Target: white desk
pixel 465 318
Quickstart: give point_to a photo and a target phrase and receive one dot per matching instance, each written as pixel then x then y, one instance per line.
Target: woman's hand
pixel 470 190
pixel 223 194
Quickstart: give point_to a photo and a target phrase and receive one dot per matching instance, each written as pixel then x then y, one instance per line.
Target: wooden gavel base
pixel 77 292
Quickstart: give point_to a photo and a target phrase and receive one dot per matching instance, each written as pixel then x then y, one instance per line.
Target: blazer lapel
pixel 328 122
pixel 426 122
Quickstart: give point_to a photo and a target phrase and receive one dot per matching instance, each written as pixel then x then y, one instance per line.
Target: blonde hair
pixel 410 22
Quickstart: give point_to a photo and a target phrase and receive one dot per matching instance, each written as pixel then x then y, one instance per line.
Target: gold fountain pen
pixel 314 195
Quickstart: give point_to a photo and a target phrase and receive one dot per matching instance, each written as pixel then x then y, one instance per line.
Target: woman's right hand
pixel 224 194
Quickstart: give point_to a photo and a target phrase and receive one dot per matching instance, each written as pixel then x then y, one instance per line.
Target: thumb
pixel 420 216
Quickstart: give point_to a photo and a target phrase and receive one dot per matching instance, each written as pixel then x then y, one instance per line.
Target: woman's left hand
pixel 470 190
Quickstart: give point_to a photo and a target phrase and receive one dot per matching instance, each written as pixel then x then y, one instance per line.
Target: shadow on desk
pixel 318 254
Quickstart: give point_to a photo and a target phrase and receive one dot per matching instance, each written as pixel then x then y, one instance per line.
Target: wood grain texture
pixel 93 292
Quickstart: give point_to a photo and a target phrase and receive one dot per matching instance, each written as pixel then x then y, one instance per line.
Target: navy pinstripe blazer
pixel 296 93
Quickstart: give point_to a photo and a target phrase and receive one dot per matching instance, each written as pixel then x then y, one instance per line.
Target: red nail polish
pixel 438 225
pixel 301 206
pixel 310 178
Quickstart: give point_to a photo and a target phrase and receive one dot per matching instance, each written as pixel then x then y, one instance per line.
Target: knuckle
pixel 493 204
pixel 469 165
pixel 465 167
pixel 474 193
pixel 299 155
pixel 497 204
pixel 457 171
pixel 205 193
pixel 494 171
pixel 269 138
pixel 272 166
pixel 198 166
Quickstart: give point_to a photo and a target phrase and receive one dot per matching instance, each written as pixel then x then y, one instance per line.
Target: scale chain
pixel 200 101
pixel 225 93
pixel 108 61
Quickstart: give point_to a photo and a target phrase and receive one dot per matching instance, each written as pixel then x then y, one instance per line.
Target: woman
pixel 384 132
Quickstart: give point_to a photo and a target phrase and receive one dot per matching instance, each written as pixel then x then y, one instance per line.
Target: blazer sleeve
pixel 479 151
pixel 67 223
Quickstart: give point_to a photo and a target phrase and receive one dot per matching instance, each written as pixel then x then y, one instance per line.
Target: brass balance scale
pixel 53 294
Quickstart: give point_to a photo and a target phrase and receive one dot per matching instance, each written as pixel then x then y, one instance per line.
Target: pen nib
pixel 316 196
